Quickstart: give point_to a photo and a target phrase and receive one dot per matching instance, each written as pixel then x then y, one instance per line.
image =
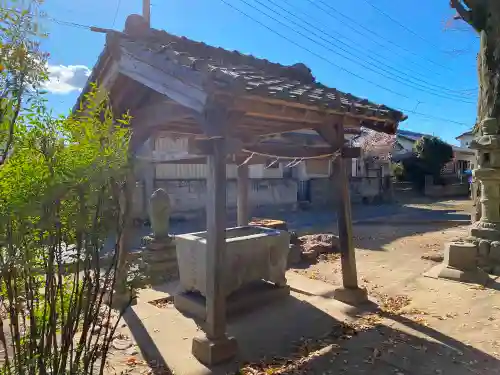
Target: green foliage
pixel 398 171
pixel 434 153
pixel 59 202
pixel 431 155
pixel 22 65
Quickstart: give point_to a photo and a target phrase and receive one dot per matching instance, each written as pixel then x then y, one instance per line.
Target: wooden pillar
pixel 350 293
pixel 216 240
pixel 344 222
pixel 242 198
pixel 215 347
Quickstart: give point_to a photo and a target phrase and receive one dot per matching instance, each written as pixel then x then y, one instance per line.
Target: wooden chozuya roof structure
pixel 229 101
pixel 167 81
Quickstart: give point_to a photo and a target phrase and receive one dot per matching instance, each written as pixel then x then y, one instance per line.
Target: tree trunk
pixel 486 19
pixel 489 63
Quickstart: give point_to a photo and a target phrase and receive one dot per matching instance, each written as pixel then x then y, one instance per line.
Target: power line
pixel 369 33
pixel 355 60
pixel 337 66
pixel 116 12
pixel 433 117
pixel 52 19
pixel 311 52
pixel 404 76
pixel 403 26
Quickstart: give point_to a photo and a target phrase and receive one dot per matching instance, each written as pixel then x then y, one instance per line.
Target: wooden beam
pixel 204 146
pixel 280 109
pixel 330 133
pixel 351 152
pixel 230 160
pixel 243 182
pixel 160 114
pixel 165 83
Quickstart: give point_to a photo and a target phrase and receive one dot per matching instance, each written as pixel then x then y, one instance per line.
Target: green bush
pixel 59 202
pixel 398 171
pixel 431 155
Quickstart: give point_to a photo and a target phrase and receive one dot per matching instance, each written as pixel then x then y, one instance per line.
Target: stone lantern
pixel 474 257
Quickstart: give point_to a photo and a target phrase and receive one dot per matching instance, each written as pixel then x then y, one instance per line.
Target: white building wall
pixel 465 140
pixel 168 147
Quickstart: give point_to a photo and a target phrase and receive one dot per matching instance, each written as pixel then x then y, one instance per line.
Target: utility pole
pixel 146 11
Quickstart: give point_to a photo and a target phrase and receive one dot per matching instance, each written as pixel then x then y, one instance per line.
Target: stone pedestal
pixel 461 255
pixel 213 352
pixel 461 263
pixel 159 258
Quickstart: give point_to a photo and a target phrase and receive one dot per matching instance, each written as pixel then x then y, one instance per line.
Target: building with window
pixel 464 158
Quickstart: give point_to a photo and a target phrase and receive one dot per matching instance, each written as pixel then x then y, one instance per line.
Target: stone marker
pixel 159 256
pixel 159 212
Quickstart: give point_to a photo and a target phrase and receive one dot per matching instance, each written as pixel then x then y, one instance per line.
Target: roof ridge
pixel 137 28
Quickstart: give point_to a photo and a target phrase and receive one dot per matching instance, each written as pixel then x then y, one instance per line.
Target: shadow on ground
pixel 302 336
pixel 147 346
pixel 375 233
pixel 371 237
pixel 421 349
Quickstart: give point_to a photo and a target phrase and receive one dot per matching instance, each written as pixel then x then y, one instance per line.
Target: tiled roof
pixel 464 134
pixel 413 136
pixel 259 76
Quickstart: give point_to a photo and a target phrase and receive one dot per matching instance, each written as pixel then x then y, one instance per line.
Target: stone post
pixel 159 208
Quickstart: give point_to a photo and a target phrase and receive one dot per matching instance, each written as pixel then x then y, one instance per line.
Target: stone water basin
pixel 252 254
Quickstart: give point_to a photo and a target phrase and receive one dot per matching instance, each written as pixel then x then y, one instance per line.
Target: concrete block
pixel 248 298
pixel 494 253
pixel 473 276
pixel 353 297
pixel 213 352
pixel 461 255
pixel 484 249
pixel 294 256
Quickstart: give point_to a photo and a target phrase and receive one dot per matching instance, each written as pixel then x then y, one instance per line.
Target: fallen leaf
pixel 132 361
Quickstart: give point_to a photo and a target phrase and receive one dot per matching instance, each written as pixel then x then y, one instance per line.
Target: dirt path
pixel 391 260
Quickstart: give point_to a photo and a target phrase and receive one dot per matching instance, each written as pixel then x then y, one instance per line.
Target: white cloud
pixel 65 79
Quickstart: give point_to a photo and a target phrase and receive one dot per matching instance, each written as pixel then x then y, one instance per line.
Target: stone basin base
pixel 246 299
pixel 252 254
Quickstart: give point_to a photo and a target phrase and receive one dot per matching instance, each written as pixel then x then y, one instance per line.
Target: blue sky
pixel 412 60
